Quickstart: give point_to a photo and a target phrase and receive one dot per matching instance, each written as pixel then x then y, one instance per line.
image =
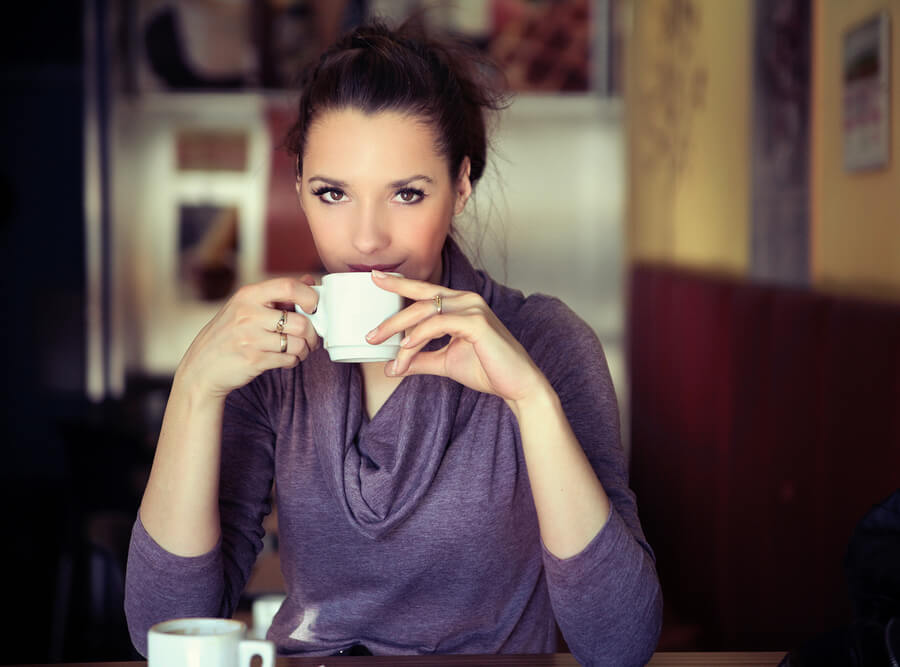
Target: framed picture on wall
pixel 208 236
pixel 866 79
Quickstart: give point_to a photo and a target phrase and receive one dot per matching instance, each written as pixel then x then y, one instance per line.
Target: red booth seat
pixel 765 421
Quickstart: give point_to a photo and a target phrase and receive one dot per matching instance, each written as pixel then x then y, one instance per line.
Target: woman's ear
pixel 463 186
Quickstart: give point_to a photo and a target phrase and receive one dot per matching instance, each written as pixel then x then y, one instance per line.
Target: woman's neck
pixel 377 387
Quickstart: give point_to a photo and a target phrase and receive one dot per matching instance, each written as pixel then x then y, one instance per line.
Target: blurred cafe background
pixel 713 185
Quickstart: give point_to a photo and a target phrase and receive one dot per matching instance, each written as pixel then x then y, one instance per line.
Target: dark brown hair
pixel 374 68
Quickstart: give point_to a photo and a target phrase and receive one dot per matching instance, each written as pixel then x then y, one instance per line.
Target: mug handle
pixel 317 318
pixel 252 647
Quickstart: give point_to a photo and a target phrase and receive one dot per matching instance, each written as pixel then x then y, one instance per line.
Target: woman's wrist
pixel 539 399
pixel 192 391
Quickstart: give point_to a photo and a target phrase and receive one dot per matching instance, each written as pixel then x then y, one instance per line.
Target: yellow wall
pixel 856 215
pixel 688 96
pixel 689 145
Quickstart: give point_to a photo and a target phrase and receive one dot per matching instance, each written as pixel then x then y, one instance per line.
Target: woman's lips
pixel 387 268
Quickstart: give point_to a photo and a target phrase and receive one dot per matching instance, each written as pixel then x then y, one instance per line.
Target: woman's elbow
pixel 630 639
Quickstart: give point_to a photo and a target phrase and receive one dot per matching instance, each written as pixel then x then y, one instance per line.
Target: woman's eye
pixel 409 195
pixel 330 195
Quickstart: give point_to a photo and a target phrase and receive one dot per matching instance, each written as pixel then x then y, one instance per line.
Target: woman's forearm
pixel 180 507
pixel 571 503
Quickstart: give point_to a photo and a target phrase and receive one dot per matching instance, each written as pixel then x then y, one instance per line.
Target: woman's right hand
pixel 242 340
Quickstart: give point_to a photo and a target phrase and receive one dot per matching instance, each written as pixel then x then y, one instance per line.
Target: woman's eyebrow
pixel 329 181
pixel 403 182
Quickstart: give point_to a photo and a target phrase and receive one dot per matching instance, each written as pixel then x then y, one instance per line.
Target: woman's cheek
pixel 325 222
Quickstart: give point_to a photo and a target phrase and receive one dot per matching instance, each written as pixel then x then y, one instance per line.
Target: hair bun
pixel 375 68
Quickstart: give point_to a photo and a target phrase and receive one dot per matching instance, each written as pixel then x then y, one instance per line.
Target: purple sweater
pixel 416 532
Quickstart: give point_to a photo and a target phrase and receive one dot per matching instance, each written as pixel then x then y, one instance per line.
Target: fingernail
pixel 372 333
pixel 405 342
pixel 392 367
pixel 378 274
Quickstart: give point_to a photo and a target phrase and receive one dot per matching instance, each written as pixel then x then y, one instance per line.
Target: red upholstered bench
pixel 765 421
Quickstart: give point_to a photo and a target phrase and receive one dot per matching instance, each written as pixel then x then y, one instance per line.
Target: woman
pixel 460 499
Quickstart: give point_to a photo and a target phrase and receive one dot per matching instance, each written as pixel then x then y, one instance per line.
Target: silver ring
pixel 438 304
pixel 279 325
pixel 284 342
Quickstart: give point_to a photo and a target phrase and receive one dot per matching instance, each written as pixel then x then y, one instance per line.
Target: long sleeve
pixel 161 585
pixel 606 599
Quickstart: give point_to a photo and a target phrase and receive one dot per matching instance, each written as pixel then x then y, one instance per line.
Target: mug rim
pixel 162 629
pixel 342 274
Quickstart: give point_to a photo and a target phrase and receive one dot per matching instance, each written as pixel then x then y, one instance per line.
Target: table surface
pixel 662 659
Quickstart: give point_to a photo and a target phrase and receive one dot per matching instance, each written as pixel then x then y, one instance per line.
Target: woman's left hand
pixel 482 354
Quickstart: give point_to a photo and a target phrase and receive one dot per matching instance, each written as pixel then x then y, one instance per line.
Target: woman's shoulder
pixel 521 313
pixel 540 322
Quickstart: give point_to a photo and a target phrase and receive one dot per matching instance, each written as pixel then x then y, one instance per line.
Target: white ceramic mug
pixel 350 306
pixel 191 642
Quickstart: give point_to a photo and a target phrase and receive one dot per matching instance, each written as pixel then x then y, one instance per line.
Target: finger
pixel 294 325
pixel 287 320
pixel 404 357
pixel 286 290
pixel 296 351
pixel 419 311
pixel 405 319
pixel 280 317
pixel 418 290
pixel 424 363
pixel 270 360
pixel 469 325
pixel 293 345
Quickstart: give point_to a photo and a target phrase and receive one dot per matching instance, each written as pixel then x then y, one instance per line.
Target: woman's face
pixel 377 193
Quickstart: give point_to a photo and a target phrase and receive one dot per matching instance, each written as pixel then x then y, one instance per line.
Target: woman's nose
pixel 370 233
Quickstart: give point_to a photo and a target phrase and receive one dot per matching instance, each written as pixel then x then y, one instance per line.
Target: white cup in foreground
pixel 188 642
pixel 264 609
pixel 350 306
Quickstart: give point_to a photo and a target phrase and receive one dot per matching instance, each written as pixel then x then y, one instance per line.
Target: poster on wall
pixel 207 251
pixel 867 94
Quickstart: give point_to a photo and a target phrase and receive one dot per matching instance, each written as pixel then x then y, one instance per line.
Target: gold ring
pixel 438 304
pixel 279 325
pixel 284 342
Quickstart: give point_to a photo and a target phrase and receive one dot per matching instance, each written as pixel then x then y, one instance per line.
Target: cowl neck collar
pixel 379 470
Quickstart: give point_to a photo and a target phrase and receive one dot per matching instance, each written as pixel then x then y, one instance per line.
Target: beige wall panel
pixel 689 80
